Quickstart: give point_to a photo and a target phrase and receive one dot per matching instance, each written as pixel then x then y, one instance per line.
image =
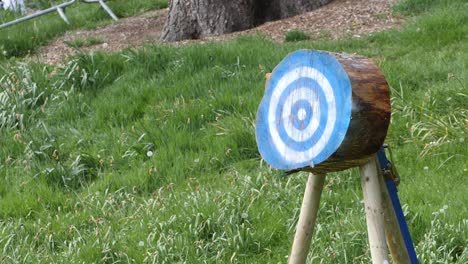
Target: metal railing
pixel 101 2
pixel 61 11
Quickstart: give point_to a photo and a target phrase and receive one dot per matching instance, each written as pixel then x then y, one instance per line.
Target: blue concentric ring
pixel 306 143
pixel 301 114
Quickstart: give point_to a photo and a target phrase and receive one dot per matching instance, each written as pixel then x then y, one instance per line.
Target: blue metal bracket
pixel 391 180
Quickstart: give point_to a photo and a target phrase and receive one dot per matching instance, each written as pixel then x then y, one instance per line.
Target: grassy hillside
pixel 149 155
pixel 24 38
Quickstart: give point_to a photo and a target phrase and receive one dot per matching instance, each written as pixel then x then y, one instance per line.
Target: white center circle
pixel 301 114
pixel 307 155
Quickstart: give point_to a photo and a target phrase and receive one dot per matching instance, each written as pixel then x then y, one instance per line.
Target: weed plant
pixel 84 42
pixel 149 155
pixel 295 35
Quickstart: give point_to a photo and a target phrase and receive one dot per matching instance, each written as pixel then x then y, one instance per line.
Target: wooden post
pixel 307 217
pixel 374 211
pixel 395 241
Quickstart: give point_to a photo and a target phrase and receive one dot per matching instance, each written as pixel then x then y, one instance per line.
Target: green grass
pixel 295 35
pixel 79 42
pixel 24 38
pixel 149 155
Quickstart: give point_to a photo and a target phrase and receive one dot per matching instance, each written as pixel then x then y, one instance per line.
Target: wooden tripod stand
pixel 382 226
pixel 324 112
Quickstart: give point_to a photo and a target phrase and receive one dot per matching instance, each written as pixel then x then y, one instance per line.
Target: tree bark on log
pixel 370 115
pixel 192 19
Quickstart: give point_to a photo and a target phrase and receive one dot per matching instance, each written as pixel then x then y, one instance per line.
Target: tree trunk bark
pixel 192 19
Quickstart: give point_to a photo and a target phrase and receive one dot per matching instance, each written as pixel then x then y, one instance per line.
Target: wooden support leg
pixel 374 212
pixel 395 241
pixel 307 217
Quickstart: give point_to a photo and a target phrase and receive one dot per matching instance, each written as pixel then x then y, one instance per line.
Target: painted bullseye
pixel 303 111
pixel 301 95
pixel 304 115
pixel 287 153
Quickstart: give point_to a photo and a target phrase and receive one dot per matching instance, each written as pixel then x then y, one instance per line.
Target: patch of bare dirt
pixel 127 32
pixel 337 19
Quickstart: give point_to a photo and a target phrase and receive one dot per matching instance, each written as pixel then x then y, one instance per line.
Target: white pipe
pixel 39 13
pixel 15 5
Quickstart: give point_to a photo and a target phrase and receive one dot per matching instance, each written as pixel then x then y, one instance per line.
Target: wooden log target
pixel 322 112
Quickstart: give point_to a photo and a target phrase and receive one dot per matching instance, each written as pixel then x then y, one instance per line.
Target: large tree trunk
pixel 192 19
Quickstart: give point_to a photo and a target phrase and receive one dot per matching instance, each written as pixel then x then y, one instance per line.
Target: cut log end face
pixel 322 112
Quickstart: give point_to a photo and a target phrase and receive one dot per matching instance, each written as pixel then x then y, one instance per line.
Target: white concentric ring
pixel 286 152
pixel 311 97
